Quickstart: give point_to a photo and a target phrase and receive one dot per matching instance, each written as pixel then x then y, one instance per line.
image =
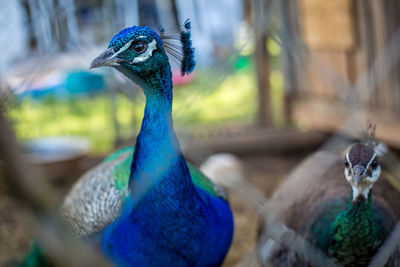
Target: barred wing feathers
pixel 96 198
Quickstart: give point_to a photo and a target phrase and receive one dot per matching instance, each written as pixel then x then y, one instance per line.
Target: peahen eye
pixel 374 164
pixel 346 164
pixel 139 47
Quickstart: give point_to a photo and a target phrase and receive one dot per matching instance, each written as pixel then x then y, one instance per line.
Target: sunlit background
pixel 53 42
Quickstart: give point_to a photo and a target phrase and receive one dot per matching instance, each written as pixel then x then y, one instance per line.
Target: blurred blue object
pixel 82 82
pixel 75 84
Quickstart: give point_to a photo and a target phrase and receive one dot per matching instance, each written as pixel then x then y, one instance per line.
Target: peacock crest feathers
pixel 363 153
pixel 188 61
pixel 180 47
pixel 369 139
pixel 368 135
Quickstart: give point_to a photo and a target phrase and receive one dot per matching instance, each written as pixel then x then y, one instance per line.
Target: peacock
pixel 348 224
pixel 145 205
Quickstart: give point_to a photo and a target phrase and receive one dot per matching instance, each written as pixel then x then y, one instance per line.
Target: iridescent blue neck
pixel 157 150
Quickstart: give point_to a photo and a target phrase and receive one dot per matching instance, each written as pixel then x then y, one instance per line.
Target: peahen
pixel 348 224
pixel 146 205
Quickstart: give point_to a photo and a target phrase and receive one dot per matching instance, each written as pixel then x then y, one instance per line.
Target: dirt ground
pixel 265 171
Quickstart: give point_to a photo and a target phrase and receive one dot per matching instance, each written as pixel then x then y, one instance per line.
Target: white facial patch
pixel 347 157
pixel 364 186
pixel 147 54
pixel 122 49
pixel 142 57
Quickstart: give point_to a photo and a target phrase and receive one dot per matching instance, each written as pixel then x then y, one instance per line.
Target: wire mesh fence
pixel 272 20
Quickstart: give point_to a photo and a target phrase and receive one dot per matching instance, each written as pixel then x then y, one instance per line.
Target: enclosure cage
pixel 281 88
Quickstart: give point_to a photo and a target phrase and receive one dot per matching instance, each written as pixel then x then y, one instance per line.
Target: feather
pixel 188 61
pixel 104 189
pixel 179 46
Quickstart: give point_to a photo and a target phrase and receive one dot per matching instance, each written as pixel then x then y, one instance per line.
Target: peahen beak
pixel 106 59
pixel 357 179
pixel 358 174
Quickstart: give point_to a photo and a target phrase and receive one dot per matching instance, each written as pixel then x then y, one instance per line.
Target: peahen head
pixel 139 53
pixel 362 169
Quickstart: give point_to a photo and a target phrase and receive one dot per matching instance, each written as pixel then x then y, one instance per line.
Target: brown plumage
pixel 320 179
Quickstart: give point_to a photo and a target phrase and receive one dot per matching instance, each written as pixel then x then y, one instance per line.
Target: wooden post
pixel 261 61
pixel 288 29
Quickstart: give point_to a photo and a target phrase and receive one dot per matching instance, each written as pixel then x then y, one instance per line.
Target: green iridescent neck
pixel 355 237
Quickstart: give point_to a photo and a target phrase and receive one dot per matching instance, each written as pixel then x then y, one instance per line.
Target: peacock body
pixel 348 224
pixel 145 205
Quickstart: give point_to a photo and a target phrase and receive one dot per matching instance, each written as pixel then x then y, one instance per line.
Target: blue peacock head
pixel 142 52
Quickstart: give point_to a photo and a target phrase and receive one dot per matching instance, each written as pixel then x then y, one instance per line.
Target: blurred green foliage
pixel 209 100
pixel 212 98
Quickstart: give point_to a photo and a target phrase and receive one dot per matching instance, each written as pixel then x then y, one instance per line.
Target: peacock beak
pixel 106 59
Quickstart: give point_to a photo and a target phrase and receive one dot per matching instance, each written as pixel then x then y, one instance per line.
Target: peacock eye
pixel 139 47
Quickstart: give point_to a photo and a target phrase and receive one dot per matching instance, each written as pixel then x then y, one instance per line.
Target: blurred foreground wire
pixel 29 188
